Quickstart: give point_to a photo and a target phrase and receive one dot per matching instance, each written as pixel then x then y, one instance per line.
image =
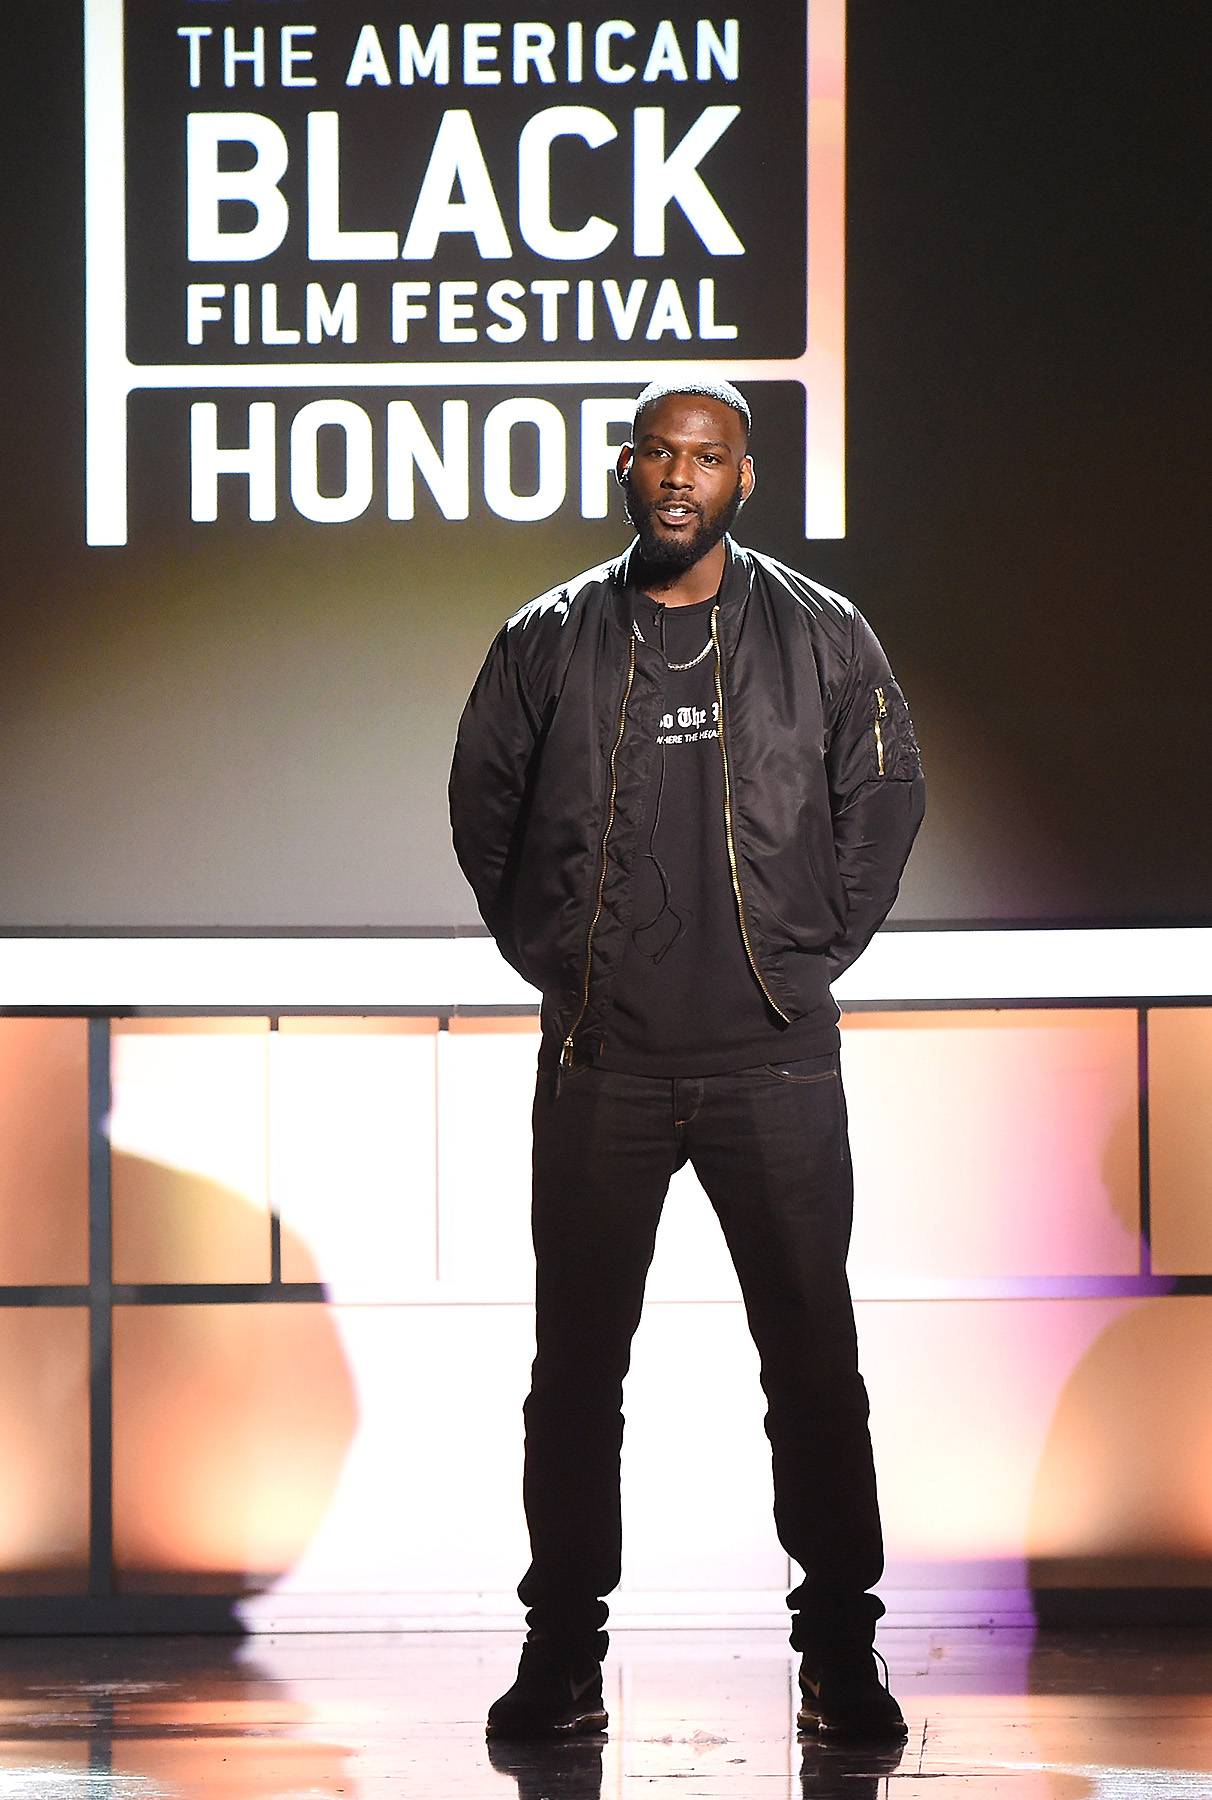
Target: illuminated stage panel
pixel 189 1131
pixel 697 1493
pixel 1180 1139
pixel 231 1425
pixel 691 1260
pixel 1067 1440
pixel 429 1499
pixel 485 1093
pixel 429 1495
pixel 352 1152
pixel 43 1151
pixel 44 1523
pixel 993 1144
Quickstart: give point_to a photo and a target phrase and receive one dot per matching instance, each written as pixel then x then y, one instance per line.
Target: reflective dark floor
pixel 1116 1716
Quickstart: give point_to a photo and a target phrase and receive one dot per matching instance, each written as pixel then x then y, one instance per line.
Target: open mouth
pixel 676 513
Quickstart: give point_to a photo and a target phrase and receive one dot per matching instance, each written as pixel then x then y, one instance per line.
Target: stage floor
pixel 999 1715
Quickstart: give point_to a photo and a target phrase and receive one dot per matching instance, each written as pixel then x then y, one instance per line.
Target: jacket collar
pixel 735 583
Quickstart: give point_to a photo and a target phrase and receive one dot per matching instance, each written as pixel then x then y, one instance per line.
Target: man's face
pixel 685 478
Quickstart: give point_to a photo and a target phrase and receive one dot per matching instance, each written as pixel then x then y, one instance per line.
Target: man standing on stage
pixel 685 788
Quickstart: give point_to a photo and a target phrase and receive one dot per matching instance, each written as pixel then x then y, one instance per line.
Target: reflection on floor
pixel 1113 1716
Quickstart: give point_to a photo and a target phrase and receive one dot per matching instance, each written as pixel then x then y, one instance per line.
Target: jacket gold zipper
pixel 566 1049
pixel 732 862
pixel 881 713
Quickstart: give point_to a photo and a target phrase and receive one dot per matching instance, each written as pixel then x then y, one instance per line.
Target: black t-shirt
pixel 685 1000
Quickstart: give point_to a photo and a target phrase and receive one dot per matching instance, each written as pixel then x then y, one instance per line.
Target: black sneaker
pixel 555 1694
pixel 843 1696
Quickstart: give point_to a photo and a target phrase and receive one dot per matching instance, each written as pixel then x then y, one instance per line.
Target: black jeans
pixel 770 1147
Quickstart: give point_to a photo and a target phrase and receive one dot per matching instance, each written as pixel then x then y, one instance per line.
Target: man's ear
pixel 748 477
pixel 624 463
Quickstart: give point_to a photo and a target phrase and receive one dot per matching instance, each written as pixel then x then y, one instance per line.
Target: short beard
pixel 673 556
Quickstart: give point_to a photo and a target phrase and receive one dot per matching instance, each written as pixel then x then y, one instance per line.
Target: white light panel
pixel 354 973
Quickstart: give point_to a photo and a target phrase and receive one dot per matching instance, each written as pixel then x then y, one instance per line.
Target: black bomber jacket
pixel 823 789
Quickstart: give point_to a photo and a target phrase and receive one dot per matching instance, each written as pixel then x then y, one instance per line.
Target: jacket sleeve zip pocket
pixel 893 753
pixel 881 712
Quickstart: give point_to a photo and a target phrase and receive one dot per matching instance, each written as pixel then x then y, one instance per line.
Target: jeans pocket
pixel 803 1072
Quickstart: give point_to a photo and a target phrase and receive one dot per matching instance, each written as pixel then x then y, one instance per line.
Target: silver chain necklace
pixel 705 651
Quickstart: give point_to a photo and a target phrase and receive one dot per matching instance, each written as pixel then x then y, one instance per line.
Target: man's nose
pixel 678 475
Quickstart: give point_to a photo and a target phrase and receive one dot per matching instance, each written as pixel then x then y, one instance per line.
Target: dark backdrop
pixel 223 728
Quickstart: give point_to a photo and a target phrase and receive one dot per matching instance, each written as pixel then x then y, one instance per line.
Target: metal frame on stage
pixel 105 1606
